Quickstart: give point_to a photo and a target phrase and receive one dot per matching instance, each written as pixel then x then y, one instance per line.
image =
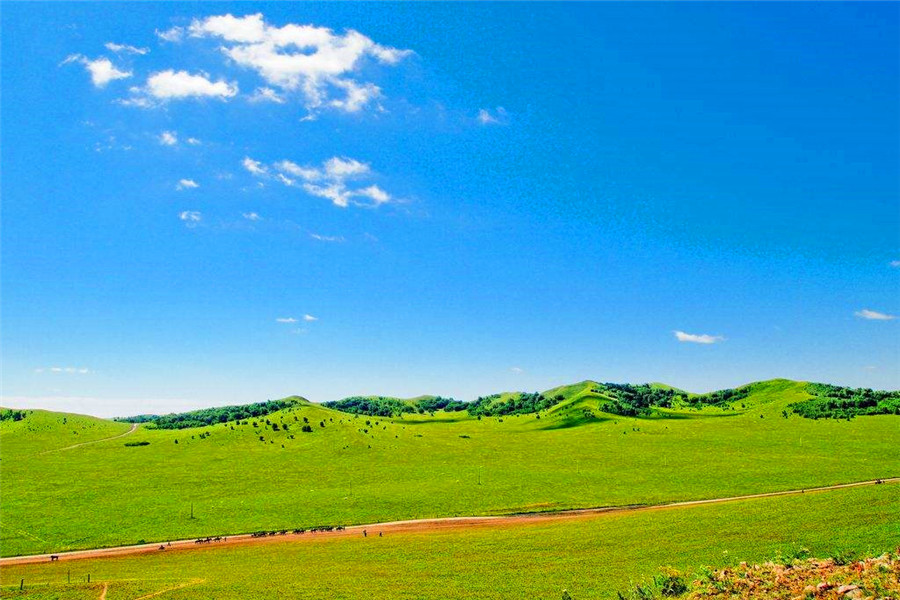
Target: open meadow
pixel 353 469
pixel 590 557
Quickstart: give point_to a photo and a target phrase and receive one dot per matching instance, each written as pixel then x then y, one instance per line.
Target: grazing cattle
pixel 162 547
pixel 54 557
pixel 365 533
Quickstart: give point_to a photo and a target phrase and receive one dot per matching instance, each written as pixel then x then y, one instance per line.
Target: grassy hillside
pixel 245 476
pixel 591 558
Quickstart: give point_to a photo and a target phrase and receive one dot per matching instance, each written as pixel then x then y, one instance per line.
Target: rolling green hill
pixel 268 472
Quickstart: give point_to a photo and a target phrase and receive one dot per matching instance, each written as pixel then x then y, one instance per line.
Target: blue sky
pixel 218 203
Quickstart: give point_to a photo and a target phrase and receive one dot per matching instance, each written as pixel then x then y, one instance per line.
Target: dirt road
pixel 415 526
pixel 134 427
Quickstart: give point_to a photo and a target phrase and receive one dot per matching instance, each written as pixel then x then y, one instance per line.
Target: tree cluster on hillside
pixel 432 404
pixel 518 404
pixel 11 414
pixel 636 400
pixel 633 400
pixel 718 398
pixel 380 406
pixel 835 402
pixel 209 416
pixel 373 406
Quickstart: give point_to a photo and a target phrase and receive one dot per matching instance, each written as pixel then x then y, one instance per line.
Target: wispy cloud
pixel 254 166
pixel 101 69
pixel 285 320
pixel 266 94
pixel 187 184
pixel 64 370
pixel 497 117
pixel 698 338
pixel 327 238
pixel 191 218
pixel 168 138
pixel 251 216
pixel 309 318
pixel 126 49
pixel 517 370
pixel 874 315
pixel 336 179
pixel 895 263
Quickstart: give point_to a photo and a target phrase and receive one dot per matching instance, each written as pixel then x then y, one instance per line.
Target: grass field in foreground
pixel 348 471
pixel 591 558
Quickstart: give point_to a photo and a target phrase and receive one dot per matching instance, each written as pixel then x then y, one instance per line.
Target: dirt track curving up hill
pixel 412 526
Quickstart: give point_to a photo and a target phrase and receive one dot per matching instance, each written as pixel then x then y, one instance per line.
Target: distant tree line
pixel 835 402
pixel 517 404
pixel 373 406
pixel 640 400
pixel 209 416
pixel 623 399
pixel 380 406
pixel 9 414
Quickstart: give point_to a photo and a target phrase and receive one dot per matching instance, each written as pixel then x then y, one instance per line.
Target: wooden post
pixel 21 585
pixel 192 510
pixel 69 576
pixel 89 577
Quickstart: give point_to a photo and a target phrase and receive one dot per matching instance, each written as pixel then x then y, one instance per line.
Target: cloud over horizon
pixel 874 315
pixel 697 338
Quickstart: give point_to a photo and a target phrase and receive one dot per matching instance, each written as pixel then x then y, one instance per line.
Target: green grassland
pixel 591 558
pixel 357 469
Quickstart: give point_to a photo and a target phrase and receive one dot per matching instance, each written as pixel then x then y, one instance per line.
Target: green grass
pixel 591 558
pixel 417 466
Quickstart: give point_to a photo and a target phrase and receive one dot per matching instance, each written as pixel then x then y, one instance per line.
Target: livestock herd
pixel 259 534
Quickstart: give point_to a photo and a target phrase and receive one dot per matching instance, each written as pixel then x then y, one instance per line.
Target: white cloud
pixel 187 184
pixel 251 216
pixel 517 370
pixel 164 86
pixel 190 217
pixel 101 69
pixel 285 180
pixel 314 62
pixel 698 339
pixel 298 171
pixel 498 117
pixel 168 138
pixel 340 168
pixel 65 370
pixel 327 238
pixel 193 141
pixel 254 166
pixel 113 47
pixel 873 315
pixel 170 84
pixel 376 194
pixel 331 180
pixel 175 34
pixel 895 263
pixel 285 320
pixel 266 94
pixel 309 318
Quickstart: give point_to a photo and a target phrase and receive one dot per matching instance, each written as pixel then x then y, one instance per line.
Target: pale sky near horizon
pixel 221 203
